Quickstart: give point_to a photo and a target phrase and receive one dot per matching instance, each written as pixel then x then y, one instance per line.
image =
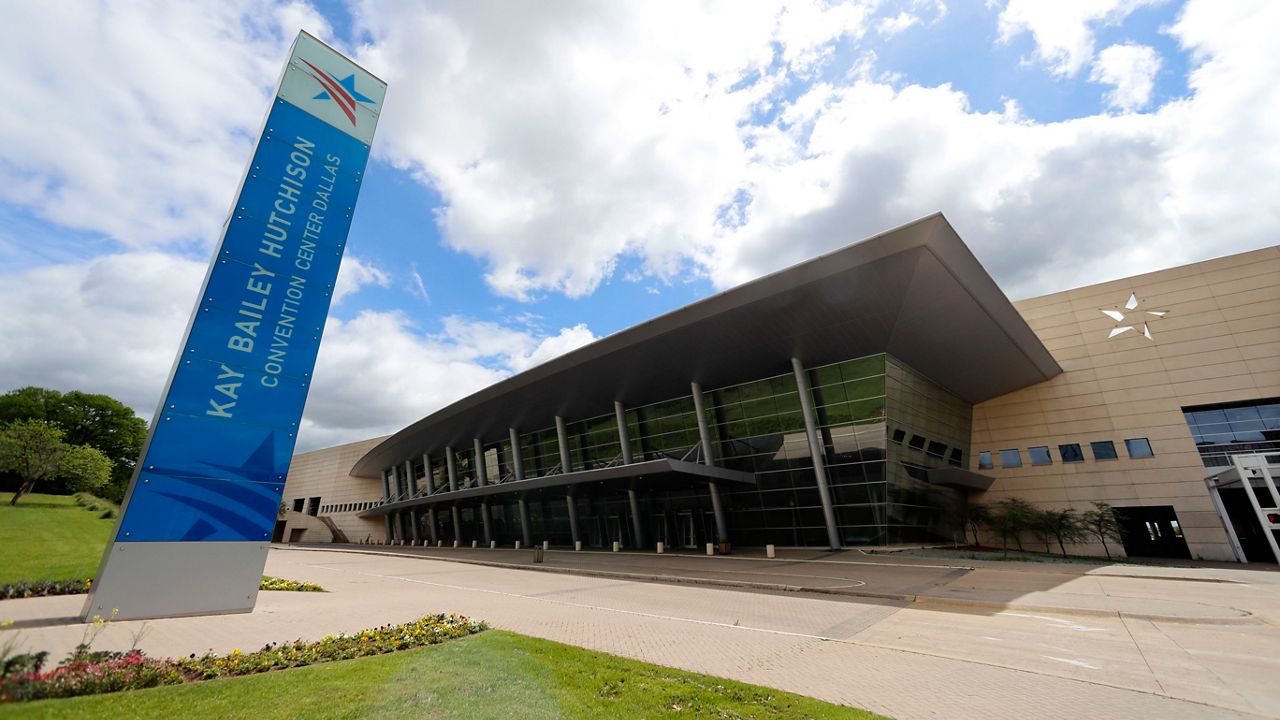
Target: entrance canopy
pixel 654 474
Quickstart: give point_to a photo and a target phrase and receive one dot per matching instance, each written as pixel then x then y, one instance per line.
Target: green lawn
pixel 494 674
pixel 49 537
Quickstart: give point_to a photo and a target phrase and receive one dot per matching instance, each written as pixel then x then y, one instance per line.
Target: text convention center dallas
pixel 861 398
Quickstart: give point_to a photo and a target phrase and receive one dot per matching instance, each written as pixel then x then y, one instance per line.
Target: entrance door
pixel 685 534
pixel 1152 531
pixel 613 526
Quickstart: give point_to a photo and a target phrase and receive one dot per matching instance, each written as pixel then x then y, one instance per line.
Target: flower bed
pixel 275 583
pixel 43 588
pixel 86 672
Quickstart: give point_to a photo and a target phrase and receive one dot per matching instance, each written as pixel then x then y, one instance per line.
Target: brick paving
pixel 901 659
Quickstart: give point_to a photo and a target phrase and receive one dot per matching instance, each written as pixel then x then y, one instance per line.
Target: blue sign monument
pixel 197 519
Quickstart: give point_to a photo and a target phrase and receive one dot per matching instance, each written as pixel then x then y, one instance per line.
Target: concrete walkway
pixel 903 659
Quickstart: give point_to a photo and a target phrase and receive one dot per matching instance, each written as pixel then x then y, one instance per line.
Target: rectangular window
pixel 917 442
pixel 1104 450
pixel 1071 452
pixel 984 460
pixel 297 504
pixel 1040 455
pixel 899 436
pixel 1010 458
pixel 1138 448
pixel 957 457
pixel 937 449
pixel 313 506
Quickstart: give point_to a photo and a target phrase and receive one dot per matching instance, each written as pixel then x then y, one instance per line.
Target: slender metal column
pixel 482 471
pixel 451 465
pixel 709 459
pixel 517 474
pixel 391 533
pixel 484 518
pixel 386 484
pixel 562 436
pixel 817 451
pixel 413 481
pixel 426 473
pixel 573 517
pixel 431 525
pixel 526 532
pixel 637 524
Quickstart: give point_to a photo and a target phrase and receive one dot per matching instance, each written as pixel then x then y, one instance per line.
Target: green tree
pixel 975 516
pixel 1101 523
pixel 84 468
pixel 1064 526
pixel 34 450
pixel 1009 518
pixel 99 421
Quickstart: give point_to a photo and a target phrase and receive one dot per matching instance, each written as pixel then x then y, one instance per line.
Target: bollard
pixel 439 543
pixel 537 554
pixel 546 545
pixel 769 551
pixel 474 543
pixel 493 544
pixel 455 543
pixel 711 548
pixel 517 544
pixel 617 546
pixel 660 547
pixel 577 545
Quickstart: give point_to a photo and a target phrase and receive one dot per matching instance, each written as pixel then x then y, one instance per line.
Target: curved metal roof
pixel 915 292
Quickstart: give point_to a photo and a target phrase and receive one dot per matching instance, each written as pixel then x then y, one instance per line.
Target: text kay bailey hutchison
pixel 279 294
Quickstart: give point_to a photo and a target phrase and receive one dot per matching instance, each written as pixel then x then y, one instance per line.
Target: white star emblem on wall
pixel 1132 318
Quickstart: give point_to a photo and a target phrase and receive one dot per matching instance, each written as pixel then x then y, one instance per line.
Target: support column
pixel 817 451
pixel 637 523
pixel 709 459
pixel 451 465
pixel 482 470
pixel 412 481
pixel 517 474
pixel 431 525
pixel 414 531
pixel 484 519
pixel 426 473
pixel 391 533
pixel 562 437
pixel 386 485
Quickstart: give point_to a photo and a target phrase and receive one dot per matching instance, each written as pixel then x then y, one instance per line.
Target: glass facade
pixel 880 425
pixel 1221 431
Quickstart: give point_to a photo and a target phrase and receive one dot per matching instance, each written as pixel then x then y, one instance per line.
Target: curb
pixel 922 600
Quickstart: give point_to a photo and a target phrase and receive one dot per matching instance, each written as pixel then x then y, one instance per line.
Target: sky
pixel 545 174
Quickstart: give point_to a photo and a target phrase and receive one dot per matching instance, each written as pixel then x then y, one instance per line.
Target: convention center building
pixel 865 397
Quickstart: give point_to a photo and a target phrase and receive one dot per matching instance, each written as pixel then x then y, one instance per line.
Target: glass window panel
pixel 899 435
pixel 1242 414
pixel 917 442
pixel 869 409
pixel 937 449
pixel 823 376
pixel 1011 458
pixel 862 367
pixel 1138 448
pixel 1103 450
pixel 1071 452
pixel 829 395
pixel 957 457
pixel 1039 455
pixel 865 388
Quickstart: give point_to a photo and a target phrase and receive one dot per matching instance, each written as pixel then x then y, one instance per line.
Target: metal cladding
pixel 916 293
pixel 214 463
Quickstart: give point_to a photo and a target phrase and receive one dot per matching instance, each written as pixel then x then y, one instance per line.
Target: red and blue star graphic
pixel 342 91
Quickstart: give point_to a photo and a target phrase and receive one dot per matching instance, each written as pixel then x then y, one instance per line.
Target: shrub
pixel 43 588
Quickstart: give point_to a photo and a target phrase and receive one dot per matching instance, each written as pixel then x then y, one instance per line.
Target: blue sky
pixel 549 174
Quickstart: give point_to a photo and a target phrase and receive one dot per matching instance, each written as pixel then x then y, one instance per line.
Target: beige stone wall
pixel 1219 343
pixel 326 474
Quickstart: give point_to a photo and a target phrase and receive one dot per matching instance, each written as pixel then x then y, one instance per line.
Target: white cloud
pixel 135 119
pixel 1064 30
pixel 113 325
pixel 562 140
pixel 1131 70
pixel 354 274
pixel 890 26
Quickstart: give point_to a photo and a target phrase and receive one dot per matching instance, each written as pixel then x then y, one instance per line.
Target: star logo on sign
pixel 341 91
pixel 1133 319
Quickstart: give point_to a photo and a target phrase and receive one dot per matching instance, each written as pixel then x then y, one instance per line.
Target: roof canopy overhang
pixel 915 292
pixel 655 474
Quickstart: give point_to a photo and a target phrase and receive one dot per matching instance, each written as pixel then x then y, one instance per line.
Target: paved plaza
pixel 910 638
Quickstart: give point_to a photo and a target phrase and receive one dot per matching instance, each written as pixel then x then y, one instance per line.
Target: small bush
pixel 43 588
pixel 108 514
